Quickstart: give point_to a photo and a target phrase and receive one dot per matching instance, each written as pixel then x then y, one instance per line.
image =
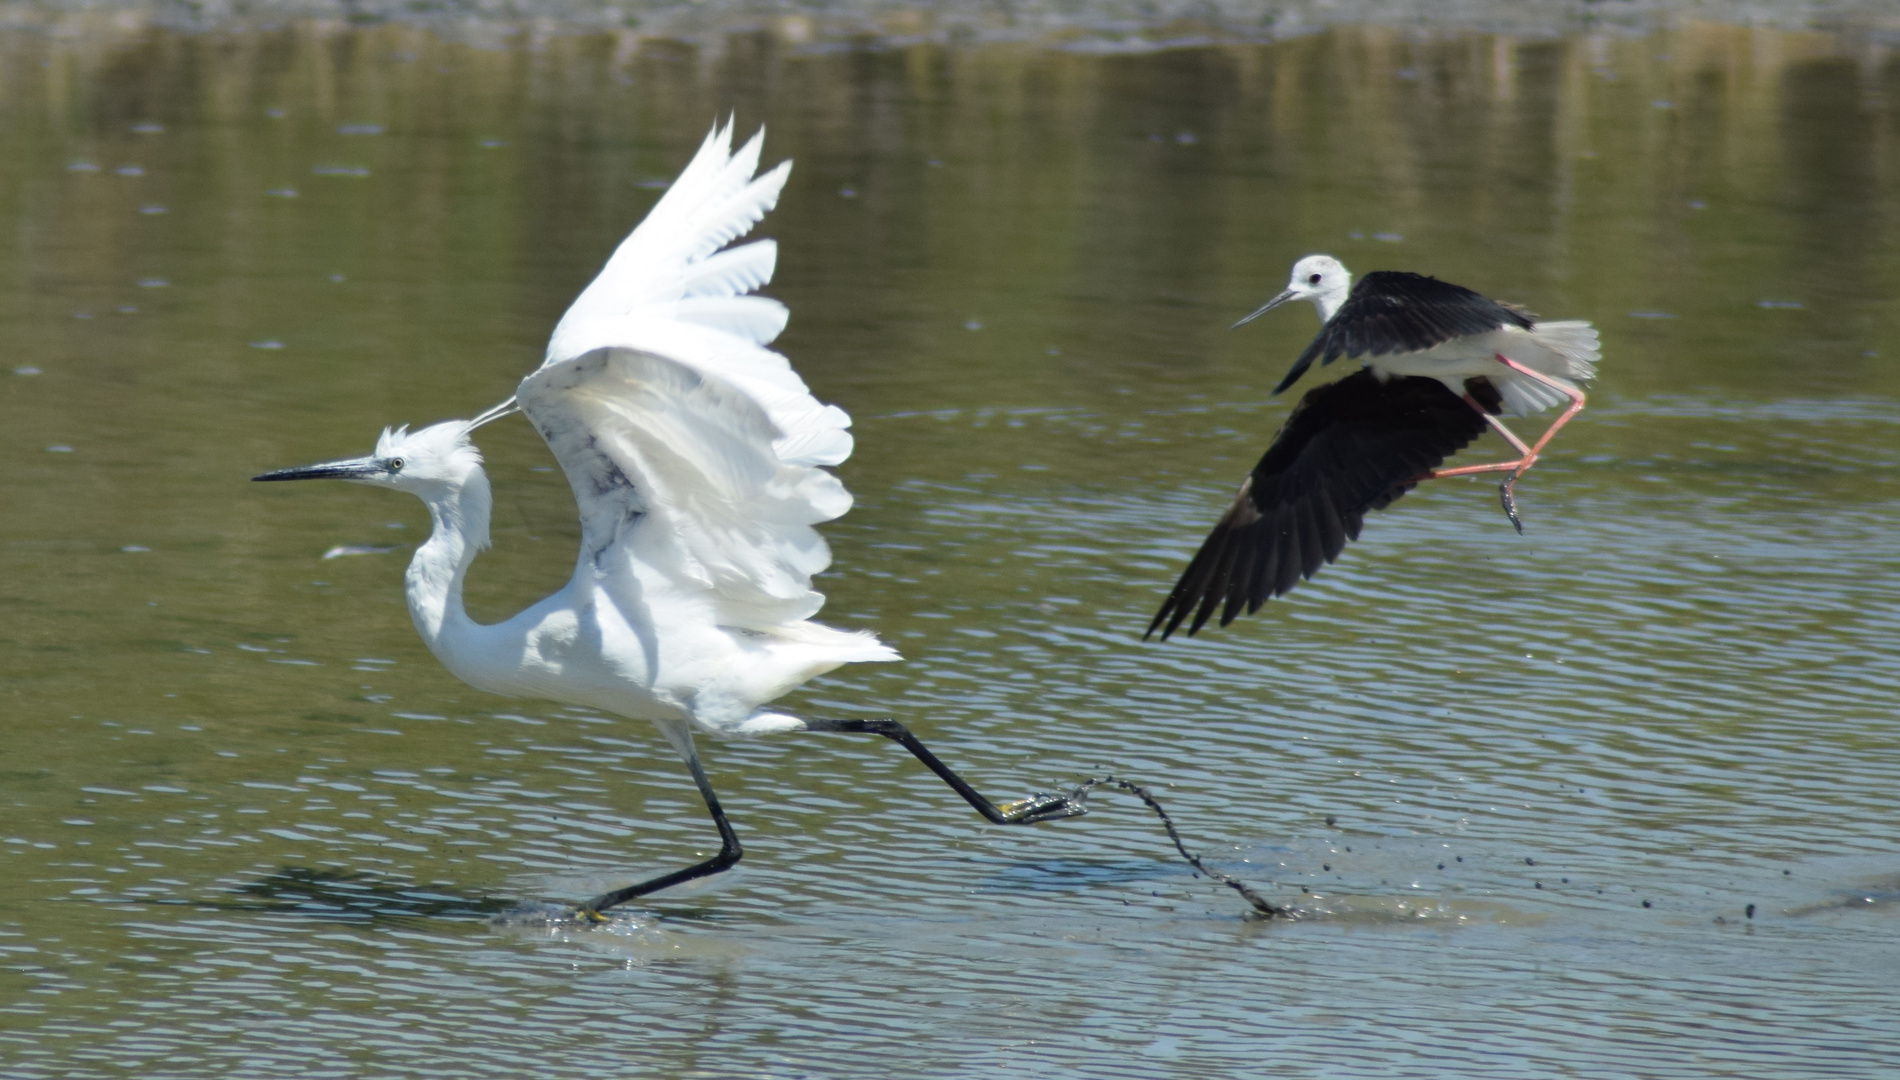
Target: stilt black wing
pixel 1349 447
pixel 1391 311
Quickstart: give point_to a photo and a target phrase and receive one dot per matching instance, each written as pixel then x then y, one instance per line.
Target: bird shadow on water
pixel 1069 877
pixel 1062 876
pixel 354 896
pixel 362 898
pixel 330 895
pixel 1877 894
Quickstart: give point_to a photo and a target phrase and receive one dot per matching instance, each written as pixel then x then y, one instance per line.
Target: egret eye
pixel 1314 280
pixel 395 465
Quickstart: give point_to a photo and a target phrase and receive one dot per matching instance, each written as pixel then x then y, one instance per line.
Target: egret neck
pixel 459 513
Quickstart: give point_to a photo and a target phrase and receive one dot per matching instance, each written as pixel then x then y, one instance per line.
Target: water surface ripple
pixel 1614 798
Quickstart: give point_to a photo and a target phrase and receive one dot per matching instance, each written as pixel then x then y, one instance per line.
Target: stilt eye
pixel 1314 280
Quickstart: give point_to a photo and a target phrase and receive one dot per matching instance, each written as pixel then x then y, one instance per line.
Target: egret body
pixel 1441 363
pixel 697 457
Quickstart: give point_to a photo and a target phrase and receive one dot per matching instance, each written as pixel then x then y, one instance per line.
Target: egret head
pixel 1320 280
pixel 433 461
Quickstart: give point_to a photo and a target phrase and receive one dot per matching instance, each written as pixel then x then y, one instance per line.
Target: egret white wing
pixel 691 447
pixel 669 288
pixel 676 471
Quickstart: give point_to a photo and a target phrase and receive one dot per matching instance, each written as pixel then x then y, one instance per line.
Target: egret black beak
pixel 1264 308
pixel 352 469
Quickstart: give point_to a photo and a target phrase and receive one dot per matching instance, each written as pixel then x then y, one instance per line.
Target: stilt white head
pixel 1318 279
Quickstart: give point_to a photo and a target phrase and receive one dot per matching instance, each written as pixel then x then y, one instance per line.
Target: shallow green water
pixel 1525 787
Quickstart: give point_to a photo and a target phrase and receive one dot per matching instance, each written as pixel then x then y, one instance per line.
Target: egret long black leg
pixel 1039 807
pixel 729 853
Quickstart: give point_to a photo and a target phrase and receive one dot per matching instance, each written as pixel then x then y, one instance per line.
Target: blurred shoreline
pixel 1080 25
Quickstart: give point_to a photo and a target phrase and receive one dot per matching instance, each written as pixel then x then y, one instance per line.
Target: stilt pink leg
pixel 1529 458
pixel 1498 426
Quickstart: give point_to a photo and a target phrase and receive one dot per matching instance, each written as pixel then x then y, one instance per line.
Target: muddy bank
pixel 1108 25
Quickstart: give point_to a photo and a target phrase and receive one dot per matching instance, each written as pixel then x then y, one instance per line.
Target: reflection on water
pixel 355 896
pixel 1527 787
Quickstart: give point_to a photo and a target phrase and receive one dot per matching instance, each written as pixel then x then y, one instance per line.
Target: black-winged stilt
pixel 1441 363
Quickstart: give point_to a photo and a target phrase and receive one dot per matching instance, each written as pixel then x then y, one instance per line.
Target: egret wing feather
pixel 676 472
pixel 732 272
pixel 693 448
pixel 809 432
pixel 670 256
pixel 754 318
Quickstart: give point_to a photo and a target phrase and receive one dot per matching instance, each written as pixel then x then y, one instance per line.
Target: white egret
pixel 1441 363
pixel 696 455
